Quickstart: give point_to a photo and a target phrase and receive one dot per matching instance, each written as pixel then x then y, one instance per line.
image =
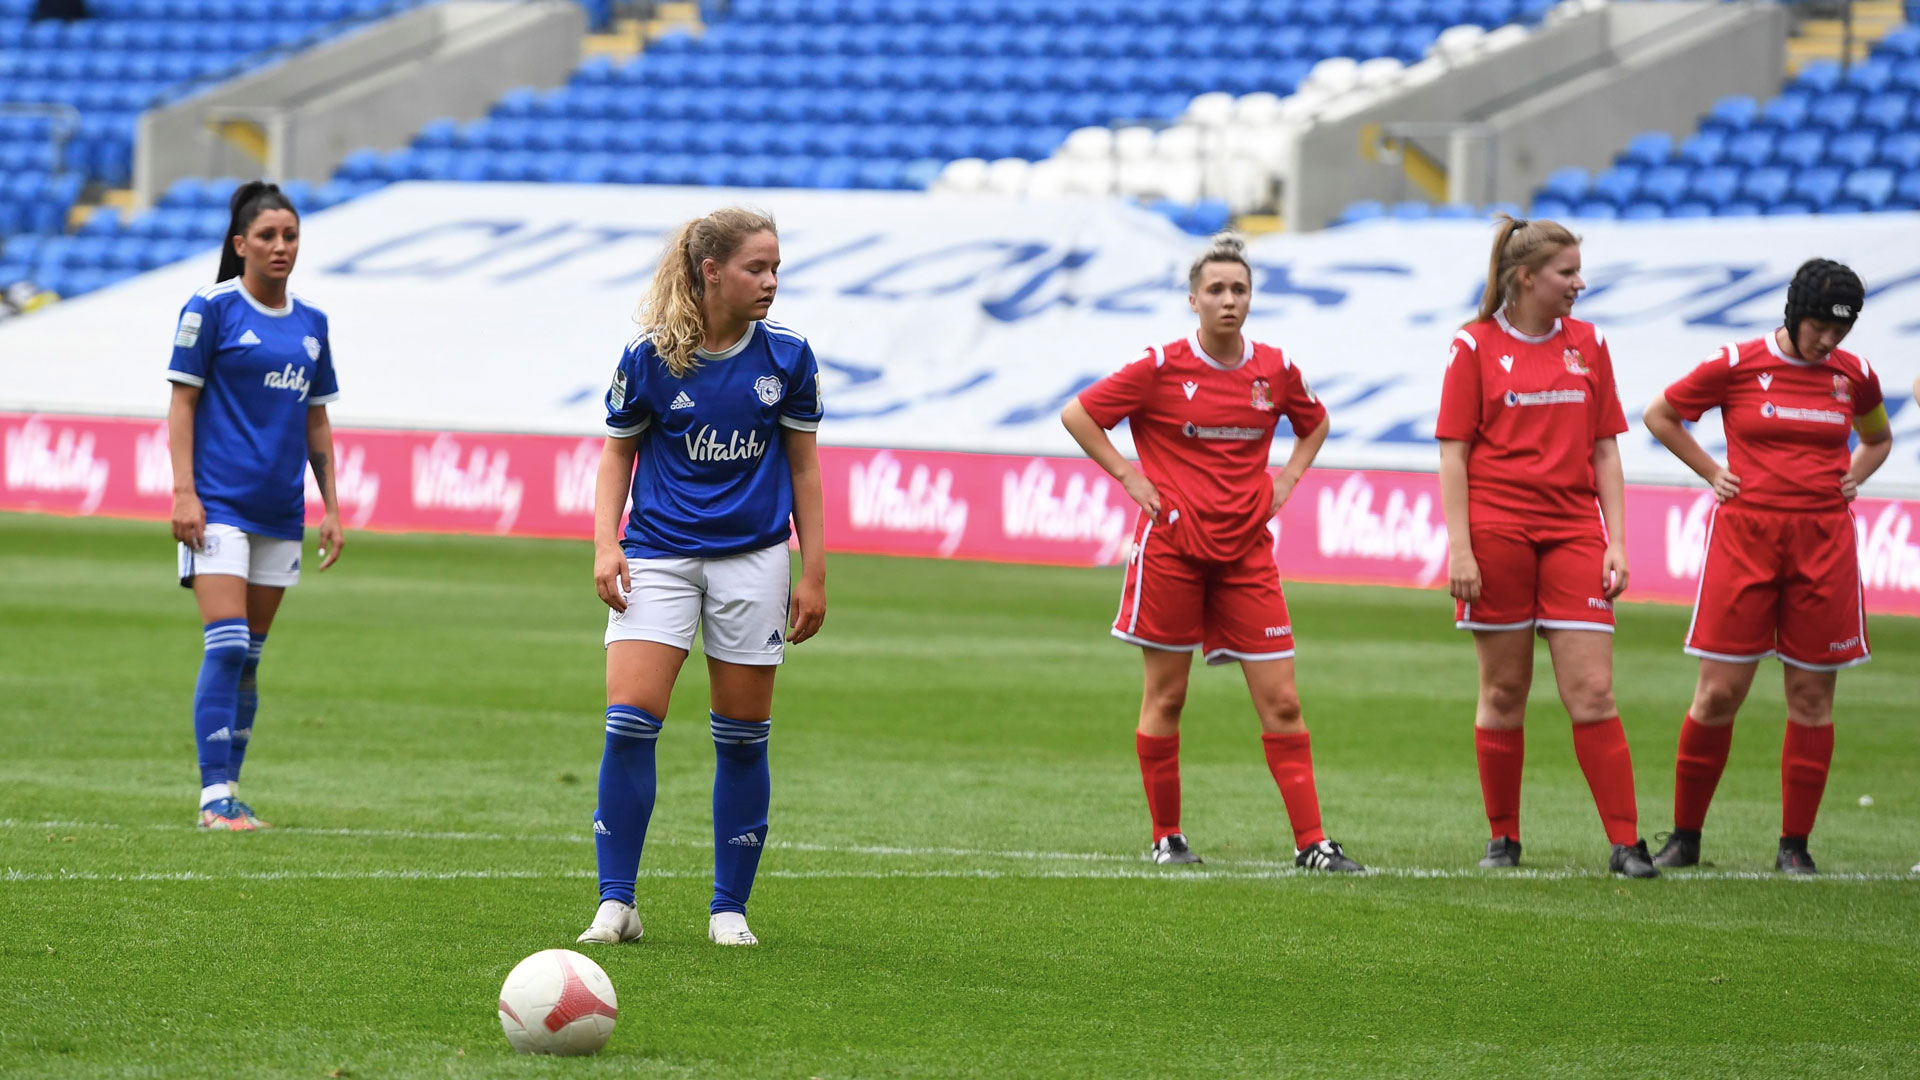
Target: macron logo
pixel 681 401
pixel 290 379
pixel 1190 387
pixel 745 840
pixel 706 446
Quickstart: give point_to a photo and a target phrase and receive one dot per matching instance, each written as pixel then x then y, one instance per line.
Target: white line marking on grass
pixel 1225 870
pixel 1177 877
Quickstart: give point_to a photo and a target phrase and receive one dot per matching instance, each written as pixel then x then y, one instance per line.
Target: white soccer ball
pixel 557 1002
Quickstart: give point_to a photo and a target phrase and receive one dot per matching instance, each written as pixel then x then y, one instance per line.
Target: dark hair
pixel 1825 290
pixel 1225 248
pixel 249 201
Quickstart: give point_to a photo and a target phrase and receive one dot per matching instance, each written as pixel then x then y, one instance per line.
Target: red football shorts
pixel 1232 610
pixel 1780 584
pixel 1552 579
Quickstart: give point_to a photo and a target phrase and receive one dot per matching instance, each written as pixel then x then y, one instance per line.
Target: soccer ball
pixel 557 1002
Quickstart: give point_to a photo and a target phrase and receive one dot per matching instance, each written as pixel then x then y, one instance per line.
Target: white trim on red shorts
pixel 1726 658
pixel 1216 657
pixel 1699 587
pixel 1804 666
pixel 1572 624
pixel 1145 644
pixel 1139 578
pixel 1469 624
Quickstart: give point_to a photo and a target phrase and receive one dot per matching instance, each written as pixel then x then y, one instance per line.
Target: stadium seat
pixel 1872 188
pixel 1750 148
pixel 1732 114
pixel 1617 185
pixel 1648 149
pixel 1800 149
pixel 1568 185
pixel 1702 148
pixel 1818 187
pixel 1900 151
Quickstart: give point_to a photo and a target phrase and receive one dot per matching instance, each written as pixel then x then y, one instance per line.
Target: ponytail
pixel 249 201
pixel 1518 243
pixel 670 314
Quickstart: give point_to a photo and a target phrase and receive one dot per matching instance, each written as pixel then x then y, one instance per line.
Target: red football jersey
pixel 1204 431
pixel 1530 409
pixel 1787 421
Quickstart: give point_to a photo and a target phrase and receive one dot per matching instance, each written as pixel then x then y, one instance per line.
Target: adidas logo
pixel 745 840
pixel 600 828
pixel 681 401
pixel 249 338
pixel 773 642
pixel 223 735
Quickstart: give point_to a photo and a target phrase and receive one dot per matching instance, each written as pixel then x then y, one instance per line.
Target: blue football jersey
pixel 259 369
pixel 711 475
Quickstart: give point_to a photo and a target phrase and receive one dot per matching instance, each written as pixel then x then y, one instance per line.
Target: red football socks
pixel 1803 776
pixel 1602 750
pixel 1290 759
pixel 1696 771
pixel 1160 773
pixel 1501 754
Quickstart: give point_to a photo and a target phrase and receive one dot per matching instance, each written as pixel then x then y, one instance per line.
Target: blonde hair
pixel 1226 247
pixel 1518 243
pixel 670 314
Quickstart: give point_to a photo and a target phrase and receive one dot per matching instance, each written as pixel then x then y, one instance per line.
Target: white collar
pixel 732 350
pixel 1246 352
pixel 1773 346
pixel 1500 316
pixel 272 313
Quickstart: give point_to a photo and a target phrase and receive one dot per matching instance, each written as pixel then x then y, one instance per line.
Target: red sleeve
pixel 1303 408
pixel 1705 387
pixel 1870 396
pixel 1610 420
pixel 1122 393
pixel 1460 392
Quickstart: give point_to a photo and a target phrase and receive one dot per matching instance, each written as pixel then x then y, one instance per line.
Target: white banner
pixel 953 323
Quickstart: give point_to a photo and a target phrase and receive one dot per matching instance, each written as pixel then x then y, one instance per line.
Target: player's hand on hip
pixel 610 578
pixel 1141 490
pixel 332 539
pixel 1849 488
pixel 1613 572
pixel 189 520
pixel 1463 576
pixel 1725 485
pixel 1283 486
pixel 809 610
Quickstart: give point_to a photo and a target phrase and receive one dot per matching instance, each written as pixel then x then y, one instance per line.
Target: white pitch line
pixel 1142 874
pixel 1225 870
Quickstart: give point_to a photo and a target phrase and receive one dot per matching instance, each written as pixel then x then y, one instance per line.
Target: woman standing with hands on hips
pixel 711 423
pixel 1782 571
pixel 1534 497
pixel 252 375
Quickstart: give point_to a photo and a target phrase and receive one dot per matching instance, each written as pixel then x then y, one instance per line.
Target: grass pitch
pixel 954 886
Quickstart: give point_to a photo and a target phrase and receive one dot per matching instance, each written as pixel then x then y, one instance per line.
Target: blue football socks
pixel 216 698
pixel 626 798
pixel 741 789
pixel 246 705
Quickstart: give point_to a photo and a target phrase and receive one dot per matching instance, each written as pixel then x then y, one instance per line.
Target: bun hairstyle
pixel 249 201
pixel 670 312
pixel 1518 242
pixel 1226 247
pixel 1825 290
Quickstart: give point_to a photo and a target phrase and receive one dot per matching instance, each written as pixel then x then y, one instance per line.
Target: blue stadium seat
pixel 1411 211
pixel 1870 76
pixel 1902 44
pixel 1854 150
pixel 1648 148
pixel 1886 111
pixel 1568 185
pixel 1834 112
pixel 1750 148
pixel 1594 210
pixel 1767 185
pixel 1691 209
pixel 1800 149
pixel 1818 186
pixel 1715 185
pixel 1368 210
pixel 1702 148
pixel 1739 208
pixel 1617 185
pixel 1643 211
pixel 1666 184
pixel 1871 187
pixel 1788 112
pixel 1901 151
pixel 1819 77
pixel 1906 192
pixel 1732 114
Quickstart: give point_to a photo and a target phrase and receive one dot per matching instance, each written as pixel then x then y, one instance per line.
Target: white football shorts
pixel 234 552
pixel 741 601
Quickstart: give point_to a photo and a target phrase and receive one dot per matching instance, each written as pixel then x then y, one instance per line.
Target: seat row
pixel 1247 14
pixel 1730 189
pixel 712 168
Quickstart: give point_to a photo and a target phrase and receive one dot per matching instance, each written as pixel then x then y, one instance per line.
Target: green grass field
pixel 955 885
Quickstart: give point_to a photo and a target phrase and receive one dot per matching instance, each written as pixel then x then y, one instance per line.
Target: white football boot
pixel 613 923
pixel 730 928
